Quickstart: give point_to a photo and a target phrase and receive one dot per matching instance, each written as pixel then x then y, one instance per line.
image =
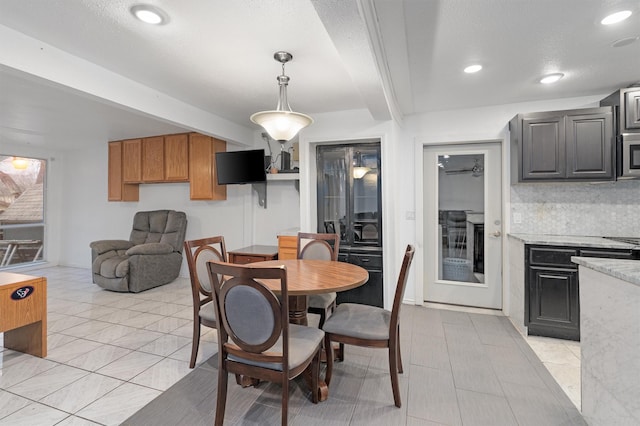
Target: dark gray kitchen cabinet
pixel 552 282
pixel 370 293
pixel 552 299
pixel 574 145
pixel 626 104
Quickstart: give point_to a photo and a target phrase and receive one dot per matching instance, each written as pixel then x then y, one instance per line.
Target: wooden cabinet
pixel 202 172
pixel 117 189
pixel 183 157
pixel 153 159
pixel 132 161
pixel 552 301
pixel 253 254
pixel 176 156
pixel 575 145
pixel 287 247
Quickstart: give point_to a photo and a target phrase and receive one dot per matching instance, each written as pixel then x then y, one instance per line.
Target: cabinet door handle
pixel 496 234
pixel 365 260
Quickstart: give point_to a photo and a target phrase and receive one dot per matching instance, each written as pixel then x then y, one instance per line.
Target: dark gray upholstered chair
pixel 198 253
pixel 370 326
pixel 321 247
pixel 255 338
pixel 151 257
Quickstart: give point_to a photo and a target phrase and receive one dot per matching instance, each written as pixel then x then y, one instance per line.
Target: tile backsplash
pixel 603 209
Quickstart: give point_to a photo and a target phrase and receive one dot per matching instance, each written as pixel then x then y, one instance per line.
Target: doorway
pixel 463 224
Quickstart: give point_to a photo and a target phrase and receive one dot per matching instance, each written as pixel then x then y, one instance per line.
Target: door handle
pixel 496 234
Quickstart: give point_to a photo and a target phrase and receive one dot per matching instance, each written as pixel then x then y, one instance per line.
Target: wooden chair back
pixel 252 318
pixel 198 253
pixel 401 285
pixel 322 246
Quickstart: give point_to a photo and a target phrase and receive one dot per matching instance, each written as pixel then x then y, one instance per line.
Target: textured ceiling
pixel 392 57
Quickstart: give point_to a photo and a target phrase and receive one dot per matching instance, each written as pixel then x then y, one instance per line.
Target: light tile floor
pixel 109 354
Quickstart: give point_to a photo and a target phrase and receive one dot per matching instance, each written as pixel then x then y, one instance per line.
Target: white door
pixel 463 225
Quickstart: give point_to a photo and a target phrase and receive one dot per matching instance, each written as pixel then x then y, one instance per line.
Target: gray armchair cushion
pixel 104 246
pixel 303 341
pixel 160 226
pixel 360 321
pixel 150 248
pixel 151 258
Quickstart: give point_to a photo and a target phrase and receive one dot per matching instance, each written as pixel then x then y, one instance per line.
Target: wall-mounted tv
pixel 237 167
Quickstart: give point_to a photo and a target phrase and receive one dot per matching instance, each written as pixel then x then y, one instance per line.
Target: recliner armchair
pixel 150 258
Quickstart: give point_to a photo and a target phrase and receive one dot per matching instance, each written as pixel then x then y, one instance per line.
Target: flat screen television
pixel 237 167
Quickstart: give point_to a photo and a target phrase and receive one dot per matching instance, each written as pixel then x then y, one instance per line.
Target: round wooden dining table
pixel 306 277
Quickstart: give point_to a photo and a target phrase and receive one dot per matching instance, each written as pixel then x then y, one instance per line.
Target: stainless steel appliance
pixel 628 156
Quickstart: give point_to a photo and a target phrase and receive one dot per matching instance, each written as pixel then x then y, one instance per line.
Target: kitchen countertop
pixel 571 240
pixel 623 269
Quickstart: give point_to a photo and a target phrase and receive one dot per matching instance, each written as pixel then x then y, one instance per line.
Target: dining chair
pixel 255 338
pixel 198 253
pixel 322 247
pixel 370 326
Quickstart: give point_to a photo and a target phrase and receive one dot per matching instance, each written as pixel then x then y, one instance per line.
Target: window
pixel 21 210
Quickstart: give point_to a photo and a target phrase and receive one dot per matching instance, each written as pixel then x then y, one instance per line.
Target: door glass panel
pixel 461 218
pixel 365 197
pixel 334 198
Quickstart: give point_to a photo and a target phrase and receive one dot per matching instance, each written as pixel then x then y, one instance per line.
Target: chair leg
pixel 393 371
pixel 285 400
pixel 315 376
pixel 195 343
pixel 328 347
pixel 399 354
pixel 323 317
pixel 340 355
pixel 223 378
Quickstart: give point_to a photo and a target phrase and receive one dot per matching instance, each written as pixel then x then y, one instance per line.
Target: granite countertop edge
pixel 623 269
pixel 571 240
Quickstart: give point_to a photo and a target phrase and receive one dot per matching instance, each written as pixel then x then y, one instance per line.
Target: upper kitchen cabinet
pixel 157 159
pixel 176 157
pixel 132 161
pixel 183 157
pixel 574 145
pixel 626 106
pixel 202 171
pixel 118 190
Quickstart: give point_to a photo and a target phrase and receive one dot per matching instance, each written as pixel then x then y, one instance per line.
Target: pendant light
pixel 282 124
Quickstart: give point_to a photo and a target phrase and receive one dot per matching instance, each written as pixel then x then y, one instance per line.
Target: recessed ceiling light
pixel 473 68
pixel 149 14
pixel 551 78
pixel 625 41
pixel 614 18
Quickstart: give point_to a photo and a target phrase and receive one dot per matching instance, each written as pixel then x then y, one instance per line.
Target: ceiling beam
pixel 348 31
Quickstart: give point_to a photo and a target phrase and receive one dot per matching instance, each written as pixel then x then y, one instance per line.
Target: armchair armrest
pixel 103 246
pixel 150 248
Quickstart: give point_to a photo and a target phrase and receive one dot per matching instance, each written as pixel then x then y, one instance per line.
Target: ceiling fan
pixel 476 170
